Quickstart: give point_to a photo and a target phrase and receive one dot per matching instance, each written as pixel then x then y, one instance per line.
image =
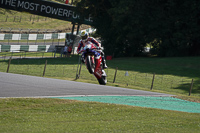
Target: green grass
pixel 55 115
pixel 27 54
pixel 29 21
pixel 35 41
pixel 172 74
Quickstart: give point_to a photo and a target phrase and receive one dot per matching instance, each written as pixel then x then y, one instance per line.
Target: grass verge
pixel 56 115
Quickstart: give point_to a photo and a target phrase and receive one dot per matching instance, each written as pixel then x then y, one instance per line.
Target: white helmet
pixel 84 35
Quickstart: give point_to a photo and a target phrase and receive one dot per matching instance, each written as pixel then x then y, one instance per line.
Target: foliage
pixel 128 25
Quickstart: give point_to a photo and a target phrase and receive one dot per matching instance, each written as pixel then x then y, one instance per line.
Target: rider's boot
pixel 103 60
pixel 82 58
pixel 104 63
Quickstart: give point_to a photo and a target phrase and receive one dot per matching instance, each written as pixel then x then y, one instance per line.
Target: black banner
pixel 46 8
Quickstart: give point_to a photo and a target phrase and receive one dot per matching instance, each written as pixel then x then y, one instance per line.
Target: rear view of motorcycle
pixel 94 65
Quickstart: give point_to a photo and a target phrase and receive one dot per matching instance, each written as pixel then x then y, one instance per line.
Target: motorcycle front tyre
pixel 90 64
pixel 103 80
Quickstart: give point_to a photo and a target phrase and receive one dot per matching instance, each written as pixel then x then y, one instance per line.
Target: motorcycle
pixel 93 65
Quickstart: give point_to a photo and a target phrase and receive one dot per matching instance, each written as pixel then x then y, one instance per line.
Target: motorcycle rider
pixel 86 40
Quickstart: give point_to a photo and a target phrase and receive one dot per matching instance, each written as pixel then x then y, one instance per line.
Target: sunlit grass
pixel 54 115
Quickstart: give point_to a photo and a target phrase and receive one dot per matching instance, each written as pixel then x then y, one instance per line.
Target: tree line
pixel 170 27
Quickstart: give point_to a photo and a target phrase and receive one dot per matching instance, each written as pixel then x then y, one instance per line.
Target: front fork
pixel 98 69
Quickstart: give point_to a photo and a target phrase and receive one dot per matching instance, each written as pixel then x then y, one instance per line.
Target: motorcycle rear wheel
pixel 90 64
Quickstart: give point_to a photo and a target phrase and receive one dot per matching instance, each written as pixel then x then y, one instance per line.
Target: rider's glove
pixel 98 48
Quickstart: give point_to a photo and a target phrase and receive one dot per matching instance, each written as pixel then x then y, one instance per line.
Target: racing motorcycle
pixel 93 65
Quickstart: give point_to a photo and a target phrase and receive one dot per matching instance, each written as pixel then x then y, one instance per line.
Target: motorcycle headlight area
pixel 88 47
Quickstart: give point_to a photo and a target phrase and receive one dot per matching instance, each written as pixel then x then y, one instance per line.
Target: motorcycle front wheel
pixel 90 64
pixel 103 79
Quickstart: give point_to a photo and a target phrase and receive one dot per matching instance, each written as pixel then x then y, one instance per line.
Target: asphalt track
pixel 16 85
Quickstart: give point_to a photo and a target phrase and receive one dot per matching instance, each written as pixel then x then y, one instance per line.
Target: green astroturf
pixel 166 103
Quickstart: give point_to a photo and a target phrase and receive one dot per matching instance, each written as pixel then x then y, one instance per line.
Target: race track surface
pixel 16 85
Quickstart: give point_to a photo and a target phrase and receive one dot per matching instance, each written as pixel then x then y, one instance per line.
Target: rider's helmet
pixel 84 35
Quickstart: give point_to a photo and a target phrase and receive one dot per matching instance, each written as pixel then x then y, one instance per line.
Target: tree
pixel 126 26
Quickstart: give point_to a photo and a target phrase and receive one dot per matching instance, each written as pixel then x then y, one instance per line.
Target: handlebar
pixel 98 48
